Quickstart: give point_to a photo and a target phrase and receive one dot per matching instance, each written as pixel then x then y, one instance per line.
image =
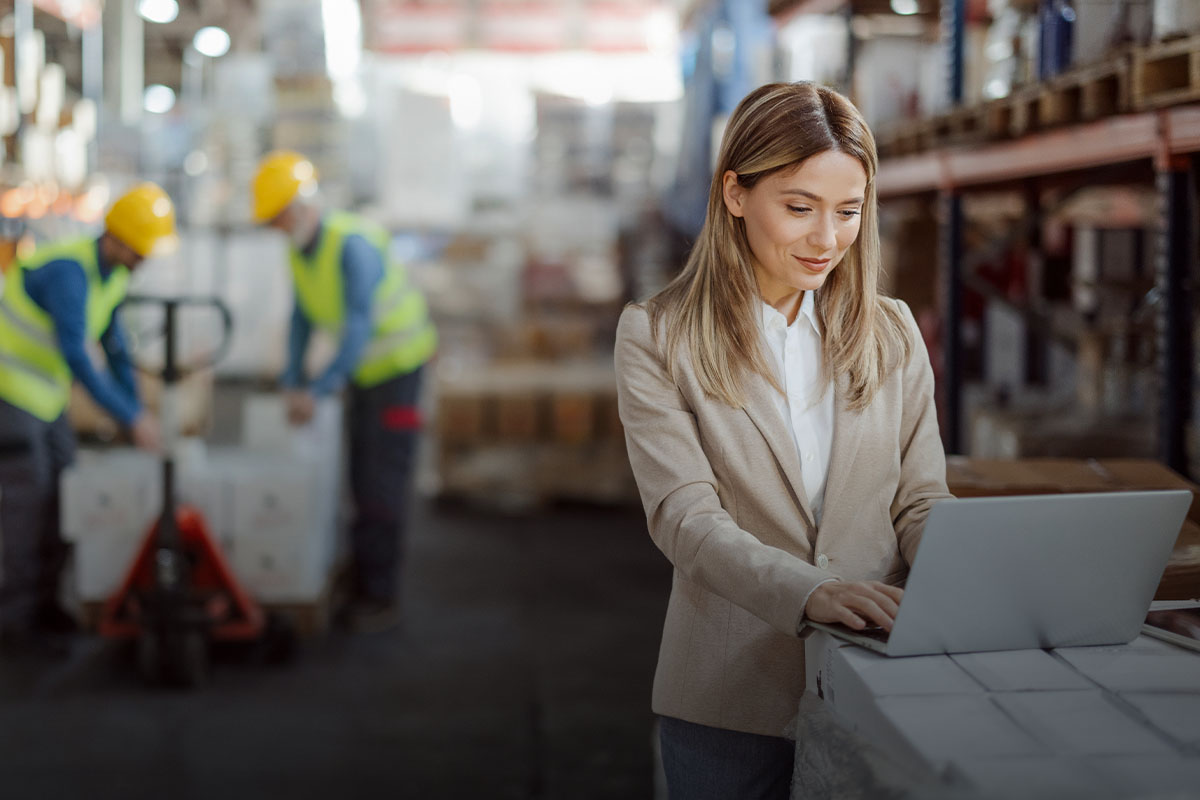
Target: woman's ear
pixel 733 193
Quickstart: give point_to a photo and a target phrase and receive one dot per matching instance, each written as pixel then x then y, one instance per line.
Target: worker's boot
pixel 373 616
pixel 53 618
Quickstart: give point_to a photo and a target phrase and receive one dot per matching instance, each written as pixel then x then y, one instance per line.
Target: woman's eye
pixel 850 213
pixel 799 209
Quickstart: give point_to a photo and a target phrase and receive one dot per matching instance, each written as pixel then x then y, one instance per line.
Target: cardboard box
pixel 1020 670
pixel 572 417
pixel 518 417
pixel 116 493
pixel 1038 777
pixel 1081 723
pixel 281 565
pixel 460 417
pixel 280 520
pixel 1181 580
pixel 934 726
pixel 1176 714
pixel 265 428
pixel 110 499
pixel 1044 734
pixel 102 559
pixel 1138 667
pixel 1160 776
pixel 194 405
pixel 1009 434
pixel 925 708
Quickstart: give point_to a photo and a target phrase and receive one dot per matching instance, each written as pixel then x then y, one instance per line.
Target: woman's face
pixel 801 221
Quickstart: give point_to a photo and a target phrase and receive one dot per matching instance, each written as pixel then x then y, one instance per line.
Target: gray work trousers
pixel 33 454
pixel 384 422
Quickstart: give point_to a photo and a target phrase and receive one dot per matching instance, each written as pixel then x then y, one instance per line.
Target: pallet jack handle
pixel 171 373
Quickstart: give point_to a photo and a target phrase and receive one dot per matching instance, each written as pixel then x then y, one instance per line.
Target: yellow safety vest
pixel 402 334
pixel 34 375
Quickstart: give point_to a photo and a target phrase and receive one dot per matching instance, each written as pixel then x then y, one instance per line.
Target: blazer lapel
pixel 760 407
pixel 847 433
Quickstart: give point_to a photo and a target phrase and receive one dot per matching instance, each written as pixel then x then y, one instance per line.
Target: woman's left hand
pixel 855 604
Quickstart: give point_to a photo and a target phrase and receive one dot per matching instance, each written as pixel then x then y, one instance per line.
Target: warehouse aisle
pixel 523 671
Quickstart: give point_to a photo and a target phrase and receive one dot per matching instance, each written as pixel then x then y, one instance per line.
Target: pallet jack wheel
pixel 149 658
pixel 279 640
pixel 187 657
pixel 178 658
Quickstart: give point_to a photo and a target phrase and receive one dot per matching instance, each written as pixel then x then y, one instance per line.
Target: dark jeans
pixel 703 763
pixel 33 455
pixel 384 422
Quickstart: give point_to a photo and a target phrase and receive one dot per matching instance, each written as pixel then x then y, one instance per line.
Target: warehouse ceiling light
pixel 161 11
pixel 158 99
pixel 211 41
pixel 905 7
pixel 343 37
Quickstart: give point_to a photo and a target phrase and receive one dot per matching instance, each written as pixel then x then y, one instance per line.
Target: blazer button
pixel 823 561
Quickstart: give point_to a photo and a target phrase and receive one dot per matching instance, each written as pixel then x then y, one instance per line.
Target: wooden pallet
pixel 1024 114
pixel 914 136
pixel 1059 103
pixel 997 118
pixel 1167 73
pixel 888 139
pixel 965 126
pixel 1104 88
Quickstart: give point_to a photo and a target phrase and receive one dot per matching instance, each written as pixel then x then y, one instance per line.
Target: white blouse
pixel 807 405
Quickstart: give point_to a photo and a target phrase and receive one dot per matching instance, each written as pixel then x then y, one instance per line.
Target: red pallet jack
pixel 180 596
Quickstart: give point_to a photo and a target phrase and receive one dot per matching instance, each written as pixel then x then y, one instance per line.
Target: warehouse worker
pixel 345 282
pixel 54 303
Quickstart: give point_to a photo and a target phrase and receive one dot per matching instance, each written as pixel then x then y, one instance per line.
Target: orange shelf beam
pixel 1114 140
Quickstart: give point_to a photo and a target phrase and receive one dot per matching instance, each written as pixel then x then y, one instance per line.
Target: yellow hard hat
pixel 281 176
pixel 144 219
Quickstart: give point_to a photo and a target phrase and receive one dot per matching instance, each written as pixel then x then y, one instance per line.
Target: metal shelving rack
pixel 1168 138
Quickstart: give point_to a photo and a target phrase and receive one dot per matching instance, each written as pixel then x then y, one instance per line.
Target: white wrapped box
pixel 116 491
pixel 279 523
pixel 102 560
pixel 111 498
pixel 318 443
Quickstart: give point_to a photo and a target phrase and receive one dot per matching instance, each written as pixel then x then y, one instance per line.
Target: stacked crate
pixel 528 433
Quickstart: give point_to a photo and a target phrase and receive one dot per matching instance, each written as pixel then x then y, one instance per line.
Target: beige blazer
pixel 725 502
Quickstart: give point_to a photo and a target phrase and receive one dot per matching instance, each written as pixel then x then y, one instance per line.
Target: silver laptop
pixel 1015 573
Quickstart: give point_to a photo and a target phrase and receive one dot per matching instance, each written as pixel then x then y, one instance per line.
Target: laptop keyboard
pixel 870 632
pixel 873 632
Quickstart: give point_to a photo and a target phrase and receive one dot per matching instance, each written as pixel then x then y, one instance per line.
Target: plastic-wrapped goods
pixel 271 503
pixel 110 498
pixel 1173 18
pixel 278 522
pixel 1105 27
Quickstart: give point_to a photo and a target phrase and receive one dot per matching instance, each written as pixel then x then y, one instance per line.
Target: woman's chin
pixel 808 281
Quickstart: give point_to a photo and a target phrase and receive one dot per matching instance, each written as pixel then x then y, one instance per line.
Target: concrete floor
pixel 523 670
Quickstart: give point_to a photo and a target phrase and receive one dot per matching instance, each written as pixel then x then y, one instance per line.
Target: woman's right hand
pixel 855 604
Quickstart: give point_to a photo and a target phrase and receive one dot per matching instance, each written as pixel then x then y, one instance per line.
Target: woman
pixel 780 421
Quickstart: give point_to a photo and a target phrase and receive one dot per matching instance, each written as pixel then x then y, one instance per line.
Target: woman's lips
pixel 814 264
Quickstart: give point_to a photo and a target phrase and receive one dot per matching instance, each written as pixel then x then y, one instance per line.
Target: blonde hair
pixel 711 309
